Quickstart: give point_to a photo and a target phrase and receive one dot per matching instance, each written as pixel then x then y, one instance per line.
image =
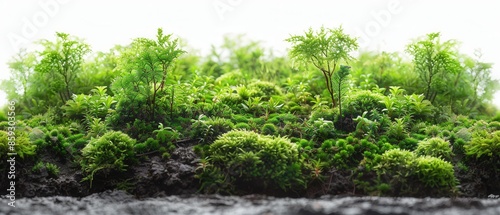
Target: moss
pixel 410 175
pixel 264 89
pixel 321 130
pixel 114 151
pixel 360 101
pixel 22 144
pixel 436 174
pixel 409 143
pixel 484 144
pixel 435 147
pixel 248 161
pixel 269 129
pixel 207 129
pixel 242 126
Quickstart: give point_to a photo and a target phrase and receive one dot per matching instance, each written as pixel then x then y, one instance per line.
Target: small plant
pixel 397 130
pixel 52 169
pixel 435 147
pixel 264 90
pixel 96 127
pixel 38 167
pixel 365 127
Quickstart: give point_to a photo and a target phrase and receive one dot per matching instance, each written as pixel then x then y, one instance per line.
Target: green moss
pixel 321 130
pixel 269 129
pixel 409 175
pixel 52 169
pixel 434 173
pixel 360 101
pixel 435 147
pixel 242 126
pixel 409 143
pixel 484 144
pixel 208 129
pixel 432 130
pixel 251 162
pixel 22 144
pixel 264 89
pixel 112 151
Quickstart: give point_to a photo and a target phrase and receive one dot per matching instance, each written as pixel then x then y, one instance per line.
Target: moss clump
pixel 22 144
pixel 435 147
pixel 409 175
pixel 269 129
pixel 112 151
pixel 250 162
pixel 207 129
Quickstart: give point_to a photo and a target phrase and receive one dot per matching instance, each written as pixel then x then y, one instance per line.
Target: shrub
pixel 395 163
pixel 344 150
pixel 269 129
pixel 96 127
pixel 166 135
pixel 112 151
pixel 435 147
pixel 97 105
pixel 419 128
pixel 38 167
pixel 251 162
